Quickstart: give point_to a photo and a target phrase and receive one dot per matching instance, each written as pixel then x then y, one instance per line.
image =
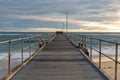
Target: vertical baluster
pixel 22 49
pixel 39 40
pixel 39 37
pixel 99 53
pixel 9 57
pixel 85 42
pixel 36 42
pixel 90 48
pixel 76 40
pixel 82 42
pixel 29 46
pixel 116 61
pixel 72 37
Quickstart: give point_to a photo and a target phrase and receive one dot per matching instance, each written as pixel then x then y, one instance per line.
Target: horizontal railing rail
pixel 19 39
pixel 89 43
pixel 18 51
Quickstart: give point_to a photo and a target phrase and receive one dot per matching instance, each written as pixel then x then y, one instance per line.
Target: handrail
pixel 16 52
pixel 83 38
pixel 104 41
pixel 33 43
pixel 100 39
pixel 13 40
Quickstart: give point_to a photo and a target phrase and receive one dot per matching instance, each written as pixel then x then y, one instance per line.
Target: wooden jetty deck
pixel 59 60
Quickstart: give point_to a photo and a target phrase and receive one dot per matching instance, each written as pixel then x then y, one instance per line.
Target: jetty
pixel 57 60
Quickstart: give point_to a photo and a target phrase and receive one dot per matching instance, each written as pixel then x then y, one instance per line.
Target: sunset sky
pixel 49 15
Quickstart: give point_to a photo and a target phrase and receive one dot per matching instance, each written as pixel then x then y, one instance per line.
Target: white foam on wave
pixel 15 56
pixel 110 51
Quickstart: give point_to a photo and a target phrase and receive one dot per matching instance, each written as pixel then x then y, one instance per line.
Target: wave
pixel 17 56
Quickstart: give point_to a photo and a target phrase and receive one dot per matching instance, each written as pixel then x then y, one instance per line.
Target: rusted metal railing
pixel 11 53
pixel 103 54
pixel 88 43
pixel 27 48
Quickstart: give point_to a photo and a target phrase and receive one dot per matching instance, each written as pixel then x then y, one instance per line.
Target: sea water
pixel 107 48
pixel 15 46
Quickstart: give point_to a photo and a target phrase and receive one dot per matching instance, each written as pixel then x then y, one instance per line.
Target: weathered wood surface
pixel 59 60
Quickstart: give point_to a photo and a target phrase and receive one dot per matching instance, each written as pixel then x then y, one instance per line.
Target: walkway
pixel 59 60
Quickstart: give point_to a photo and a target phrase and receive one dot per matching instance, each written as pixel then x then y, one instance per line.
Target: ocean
pixel 16 46
pixel 107 48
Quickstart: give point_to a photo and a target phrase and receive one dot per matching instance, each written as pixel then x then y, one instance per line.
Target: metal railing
pixel 90 46
pixel 18 51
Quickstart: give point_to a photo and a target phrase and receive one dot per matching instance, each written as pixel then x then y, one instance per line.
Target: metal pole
pixel 36 42
pixel 22 49
pixel 9 57
pixel 90 48
pixel 80 39
pixel 39 40
pixel 63 26
pixel 76 40
pixel 39 36
pixel 116 61
pixel 85 43
pixel 66 22
pixel 29 46
pixel 100 54
pixel 82 42
pixel 73 36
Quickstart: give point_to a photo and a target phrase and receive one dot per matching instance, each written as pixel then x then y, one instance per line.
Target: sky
pixel 50 15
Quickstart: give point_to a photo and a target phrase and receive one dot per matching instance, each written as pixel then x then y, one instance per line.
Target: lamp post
pixel 66 22
pixel 63 27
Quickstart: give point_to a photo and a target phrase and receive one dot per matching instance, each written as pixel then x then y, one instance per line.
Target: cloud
pixel 83 14
pixel 88 24
pixel 30 30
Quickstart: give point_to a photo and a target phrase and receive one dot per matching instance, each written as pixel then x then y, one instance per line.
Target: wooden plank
pixel 59 60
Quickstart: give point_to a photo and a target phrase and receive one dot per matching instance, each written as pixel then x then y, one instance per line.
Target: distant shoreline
pixel 55 31
pixel 104 59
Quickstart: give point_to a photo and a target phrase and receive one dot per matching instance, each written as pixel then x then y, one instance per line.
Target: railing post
pixel 90 48
pixel 85 42
pixel 116 61
pixel 9 57
pixel 22 49
pixel 99 53
pixel 76 39
pixel 46 36
pixel 39 37
pixel 29 46
pixel 36 42
pixel 82 43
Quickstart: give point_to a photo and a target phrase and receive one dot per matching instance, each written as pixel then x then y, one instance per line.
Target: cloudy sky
pixel 49 15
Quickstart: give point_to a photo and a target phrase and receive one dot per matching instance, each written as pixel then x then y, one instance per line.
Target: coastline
pixel 104 59
pixel 108 66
